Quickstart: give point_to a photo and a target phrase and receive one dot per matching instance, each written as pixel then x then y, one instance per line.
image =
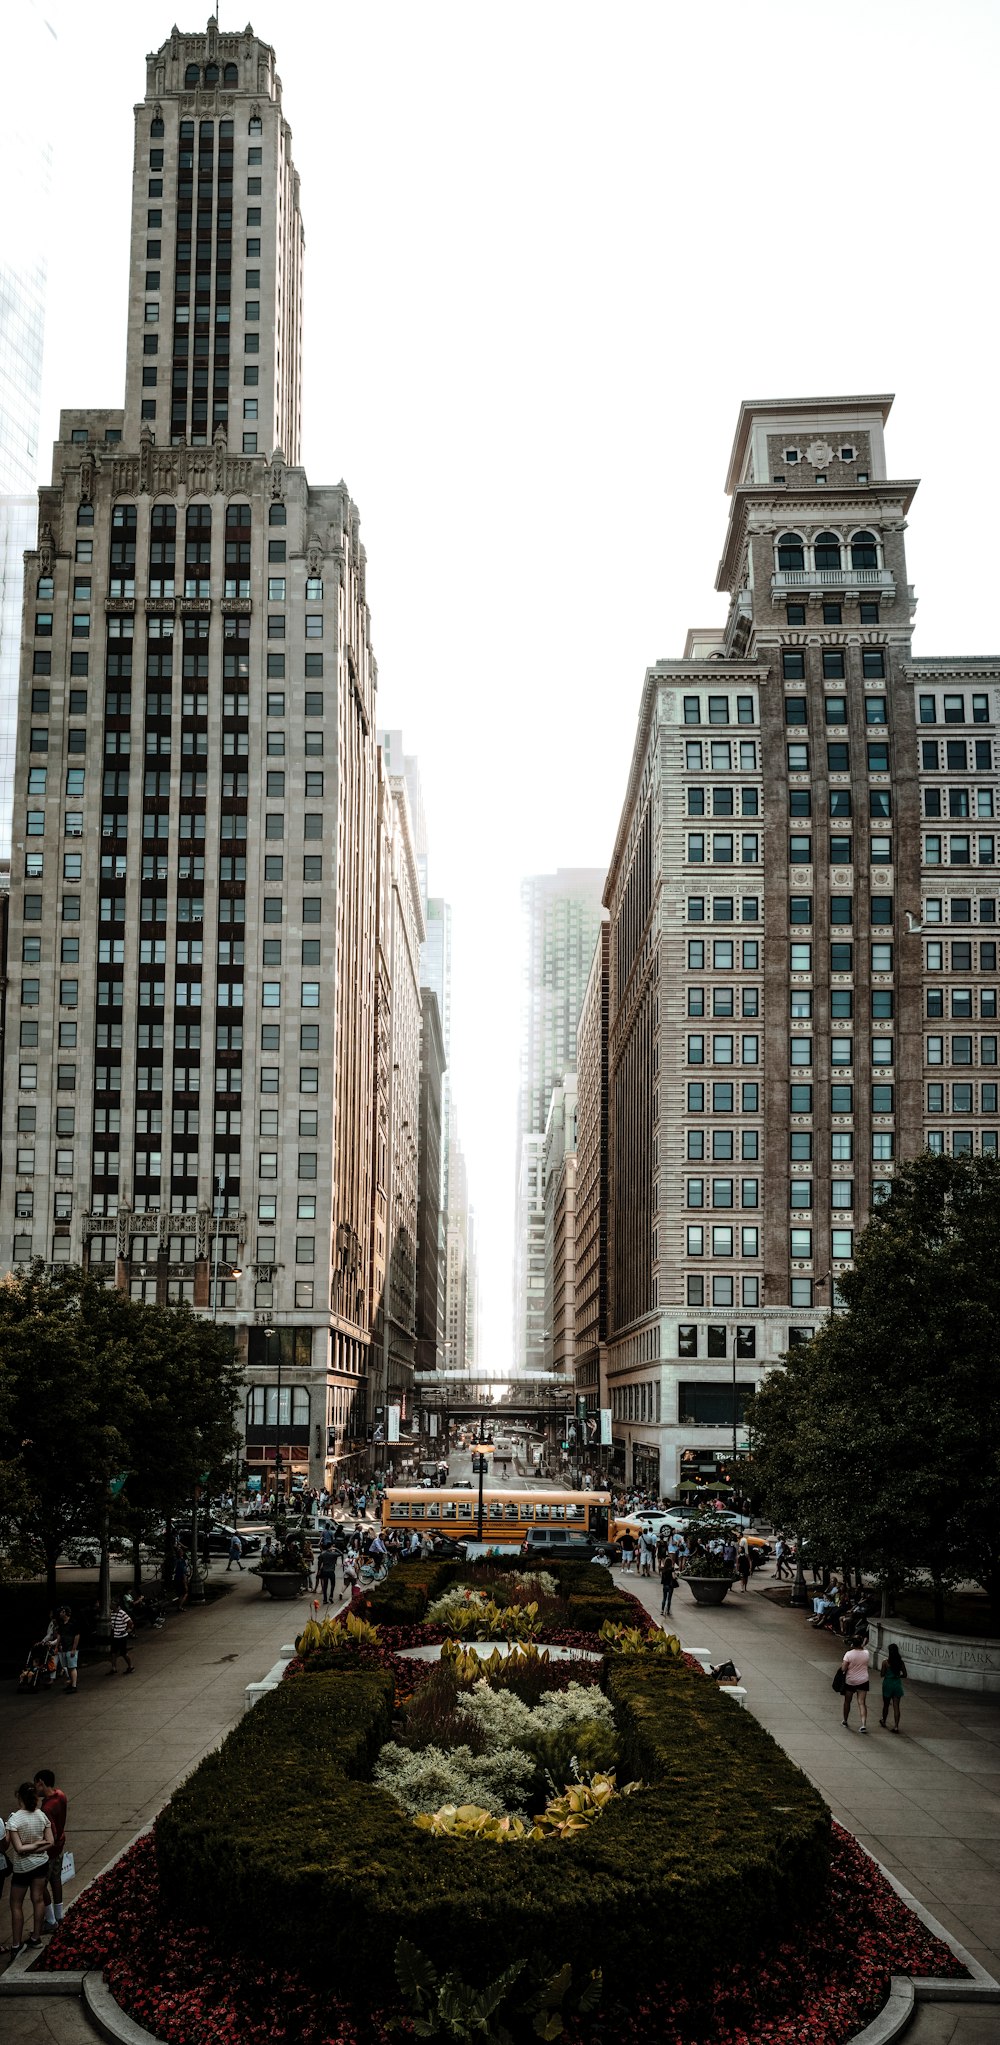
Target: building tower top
pixel 215 286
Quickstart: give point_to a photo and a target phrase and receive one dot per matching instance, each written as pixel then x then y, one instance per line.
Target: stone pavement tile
pixel 942 2024
pixel 973 1757
pixel 31 2020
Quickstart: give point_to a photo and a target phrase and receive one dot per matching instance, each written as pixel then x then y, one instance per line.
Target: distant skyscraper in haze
pixel 406 766
pixel 561 920
pixel 25 177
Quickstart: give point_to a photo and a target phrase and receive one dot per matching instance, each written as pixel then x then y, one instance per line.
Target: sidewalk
pixel 926 1804
pixel 129 1740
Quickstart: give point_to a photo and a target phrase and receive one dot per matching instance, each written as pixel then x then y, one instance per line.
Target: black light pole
pixel 482 1467
pixel 800 1595
pixel 736 1337
pixel 273 1335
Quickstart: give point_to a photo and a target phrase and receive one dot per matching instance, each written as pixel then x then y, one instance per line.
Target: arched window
pixel 790 551
pixel 827 551
pixel 255 126
pixel 230 75
pixel 192 75
pixel 211 74
pixel 864 551
pixel 276 515
pixel 85 515
pixel 156 128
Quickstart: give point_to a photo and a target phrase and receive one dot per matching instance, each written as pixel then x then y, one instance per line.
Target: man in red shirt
pixel 54 1803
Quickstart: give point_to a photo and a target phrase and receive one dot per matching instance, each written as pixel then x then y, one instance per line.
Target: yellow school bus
pixel 508 1516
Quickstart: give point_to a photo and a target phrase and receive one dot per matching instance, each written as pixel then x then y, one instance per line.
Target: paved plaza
pixel 927 1803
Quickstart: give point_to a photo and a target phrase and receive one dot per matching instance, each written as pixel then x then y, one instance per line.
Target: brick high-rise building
pixel 803 963
pixel 193 909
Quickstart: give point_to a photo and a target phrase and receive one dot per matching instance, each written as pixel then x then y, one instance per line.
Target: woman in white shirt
pixel 29 1837
pixel 857 1669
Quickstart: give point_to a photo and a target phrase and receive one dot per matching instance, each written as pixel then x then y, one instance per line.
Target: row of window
pixel 835 710
pixel 800 1098
pixel 722 802
pixel 959 909
pixel 826 553
pixel 958 802
pixel 722 1241
pixel 953 709
pixel 842 1050
pixel 723 1289
pixel 959 848
pixel 960 1098
pixel 833 667
pixel 833 611
pixel 838 757
pixel 962 1002
pixel 719 710
pixel 722 1193
pixel 723 848
pixel 960 1050
pixel 723 1001
pixel 721 755
pixel 953 755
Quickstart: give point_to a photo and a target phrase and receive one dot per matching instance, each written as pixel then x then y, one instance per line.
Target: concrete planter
pixel 283 1583
pixel 708 1590
pixel 955 1661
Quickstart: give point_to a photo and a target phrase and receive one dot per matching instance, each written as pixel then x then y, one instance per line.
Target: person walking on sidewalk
pixel 55 1804
pixel 856 1665
pixel 668 1581
pixel 743 1561
pixel 326 1574
pixel 69 1650
pixel 235 1553
pixel 892 1686
pixel 122 1629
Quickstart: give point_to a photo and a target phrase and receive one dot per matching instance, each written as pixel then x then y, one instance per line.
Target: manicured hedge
pixel 283 1847
pixel 409 1588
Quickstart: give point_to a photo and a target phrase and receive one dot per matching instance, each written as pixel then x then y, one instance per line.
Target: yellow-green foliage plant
pixel 563 1817
pixel 346 1632
pixel 632 1640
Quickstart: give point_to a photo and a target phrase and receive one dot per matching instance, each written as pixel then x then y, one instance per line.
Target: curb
pixel 981 1987
pixel 892 2018
pixel 108 2017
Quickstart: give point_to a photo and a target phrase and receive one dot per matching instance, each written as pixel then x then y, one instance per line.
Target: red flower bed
pixel 816 1990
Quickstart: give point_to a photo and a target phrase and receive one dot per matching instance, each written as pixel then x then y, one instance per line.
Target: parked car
pixel 214 1537
pixel 558 1544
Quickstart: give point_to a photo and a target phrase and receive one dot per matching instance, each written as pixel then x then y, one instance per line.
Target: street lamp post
pixel 196 1588
pixel 274 1335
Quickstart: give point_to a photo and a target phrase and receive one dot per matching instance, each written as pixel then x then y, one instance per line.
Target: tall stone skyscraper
pixel 193 909
pixel 803 903
pixel 561 918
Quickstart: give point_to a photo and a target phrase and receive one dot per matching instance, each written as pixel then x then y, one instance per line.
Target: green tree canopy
pixel 93 1384
pixel 881 1438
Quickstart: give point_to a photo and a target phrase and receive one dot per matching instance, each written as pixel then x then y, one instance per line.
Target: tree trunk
pixel 51 1548
pixel 938 1591
pixel 136 1565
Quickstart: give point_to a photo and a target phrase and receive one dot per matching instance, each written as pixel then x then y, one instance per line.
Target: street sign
pixel 605 1427
pixel 393 1434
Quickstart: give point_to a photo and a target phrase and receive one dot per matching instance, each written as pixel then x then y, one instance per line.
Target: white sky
pixel 549 247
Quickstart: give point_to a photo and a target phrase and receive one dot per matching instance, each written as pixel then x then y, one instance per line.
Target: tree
pixel 95 1385
pixel 881 1438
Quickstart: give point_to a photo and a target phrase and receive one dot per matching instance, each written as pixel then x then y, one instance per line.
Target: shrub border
pixel 294 1852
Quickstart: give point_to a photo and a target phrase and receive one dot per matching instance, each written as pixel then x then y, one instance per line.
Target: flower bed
pixel 378 1809
pixel 818 1988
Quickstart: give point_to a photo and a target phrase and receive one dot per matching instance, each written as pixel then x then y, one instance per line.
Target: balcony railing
pixel 786 579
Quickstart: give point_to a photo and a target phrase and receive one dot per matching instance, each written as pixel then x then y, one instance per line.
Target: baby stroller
pixel 40 1669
